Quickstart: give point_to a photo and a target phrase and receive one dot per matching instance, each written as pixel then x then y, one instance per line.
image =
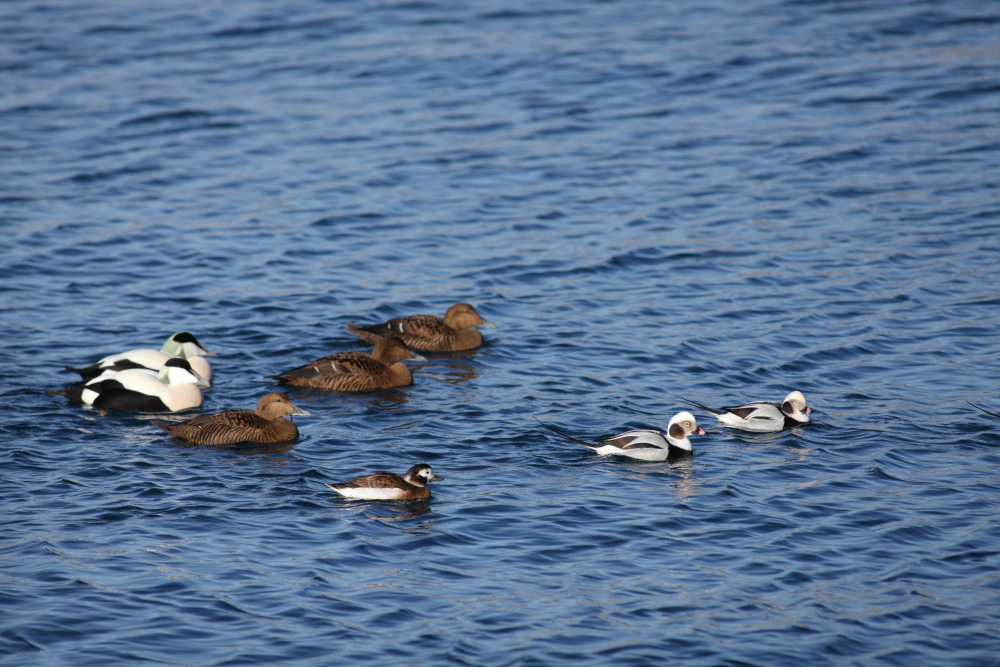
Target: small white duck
pixel 646 444
pixel 390 485
pixel 763 416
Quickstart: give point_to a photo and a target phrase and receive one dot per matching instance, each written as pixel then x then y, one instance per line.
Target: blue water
pixel 710 199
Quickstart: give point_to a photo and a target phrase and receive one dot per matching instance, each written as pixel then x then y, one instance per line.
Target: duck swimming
pixel 354 370
pixel 646 444
pixel 390 485
pixel 430 333
pixel 181 344
pixel 265 425
pixel 763 416
pixel 174 388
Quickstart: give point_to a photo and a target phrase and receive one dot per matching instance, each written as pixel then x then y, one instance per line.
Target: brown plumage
pixel 390 485
pixel 430 333
pixel 354 370
pixel 266 424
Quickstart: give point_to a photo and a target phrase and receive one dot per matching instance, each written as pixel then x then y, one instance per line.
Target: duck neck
pixel 401 373
pixel 469 337
pixel 283 428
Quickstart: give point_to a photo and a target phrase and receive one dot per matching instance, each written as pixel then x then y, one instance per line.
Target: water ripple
pixel 648 204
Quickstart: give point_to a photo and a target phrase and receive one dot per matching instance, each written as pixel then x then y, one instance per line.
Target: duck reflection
pixel 345 403
pixel 247 449
pixel 773 442
pixel 451 369
pixel 683 481
pixel 388 511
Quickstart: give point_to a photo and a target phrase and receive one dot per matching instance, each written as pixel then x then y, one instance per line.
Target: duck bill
pixel 437 478
pixel 207 353
pixel 299 412
pixel 488 325
pixel 701 431
pixel 417 357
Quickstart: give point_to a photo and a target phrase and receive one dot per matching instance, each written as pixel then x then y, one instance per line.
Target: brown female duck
pixel 430 333
pixel 265 425
pixel 355 370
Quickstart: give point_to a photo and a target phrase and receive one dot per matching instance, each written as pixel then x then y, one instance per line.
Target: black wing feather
pixel 565 435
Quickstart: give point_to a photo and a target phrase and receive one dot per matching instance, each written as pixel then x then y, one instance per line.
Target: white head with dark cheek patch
pixel 795 407
pixel 681 426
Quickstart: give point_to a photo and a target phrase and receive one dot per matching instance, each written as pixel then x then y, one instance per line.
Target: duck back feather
pixel 354 371
pixel 264 425
pixel 429 333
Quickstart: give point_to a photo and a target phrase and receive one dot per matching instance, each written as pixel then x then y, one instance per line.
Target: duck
pixel 181 344
pixel 763 416
pixel 430 333
pixel 174 388
pixel 390 485
pixel 265 425
pixel 355 371
pixel 646 444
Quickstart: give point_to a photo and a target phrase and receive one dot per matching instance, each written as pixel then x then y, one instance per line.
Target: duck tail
pixel 161 424
pixel 364 333
pixel 72 392
pixel 984 410
pixel 703 407
pixel 565 436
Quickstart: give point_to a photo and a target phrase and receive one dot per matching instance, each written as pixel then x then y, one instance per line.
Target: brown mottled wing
pixel 426 332
pixel 376 480
pixel 238 418
pixel 427 326
pixel 223 428
pixel 742 413
pixel 418 325
pixel 342 363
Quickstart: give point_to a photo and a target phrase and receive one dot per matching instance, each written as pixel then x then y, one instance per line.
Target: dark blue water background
pixel 721 200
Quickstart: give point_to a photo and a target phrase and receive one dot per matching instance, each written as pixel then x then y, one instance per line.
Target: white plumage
pixel 181 344
pixel 763 416
pixel 174 388
pixel 646 444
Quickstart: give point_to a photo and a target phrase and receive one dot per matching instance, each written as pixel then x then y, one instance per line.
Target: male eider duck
pixel 763 416
pixel 430 333
pixel 265 425
pixel 174 388
pixel 181 344
pixel 646 444
pixel 390 485
pixel 354 370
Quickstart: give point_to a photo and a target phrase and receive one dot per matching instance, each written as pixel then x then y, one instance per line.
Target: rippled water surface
pixel 715 200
